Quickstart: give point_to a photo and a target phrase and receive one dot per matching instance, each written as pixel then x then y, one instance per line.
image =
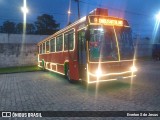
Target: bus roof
pixel 96 12
pixel 67 27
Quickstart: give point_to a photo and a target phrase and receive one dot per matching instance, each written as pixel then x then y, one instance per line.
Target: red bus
pixel 95 48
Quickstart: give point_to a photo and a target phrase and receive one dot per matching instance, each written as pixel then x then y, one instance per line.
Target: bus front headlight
pixel 98 72
pixel 133 69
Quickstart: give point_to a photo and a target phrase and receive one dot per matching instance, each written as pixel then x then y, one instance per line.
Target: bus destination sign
pixel 105 21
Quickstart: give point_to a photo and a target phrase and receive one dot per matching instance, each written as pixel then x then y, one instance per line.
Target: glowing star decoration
pixel 107 21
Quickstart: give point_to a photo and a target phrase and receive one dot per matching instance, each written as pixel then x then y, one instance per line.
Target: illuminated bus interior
pixel 103 44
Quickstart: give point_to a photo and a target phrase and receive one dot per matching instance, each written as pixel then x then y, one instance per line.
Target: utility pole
pixel 78 8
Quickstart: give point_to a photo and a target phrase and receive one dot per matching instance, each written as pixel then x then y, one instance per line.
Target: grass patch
pixel 19 69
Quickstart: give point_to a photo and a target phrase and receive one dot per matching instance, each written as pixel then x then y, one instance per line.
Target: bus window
pixel 52 45
pixel 59 43
pixel 69 40
pixel 47 47
pixel 125 43
pixel 66 41
pixel 82 47
pixel 43 50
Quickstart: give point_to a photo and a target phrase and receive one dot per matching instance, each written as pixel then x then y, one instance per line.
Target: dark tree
pixel 19 28
pixel 1 29
pixel 8 27
pixel 30 28
pixel 45 24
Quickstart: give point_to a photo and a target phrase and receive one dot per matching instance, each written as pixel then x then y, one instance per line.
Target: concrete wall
pixel 143 48
pixel 17 38
pixel 11 54
pixel 14 53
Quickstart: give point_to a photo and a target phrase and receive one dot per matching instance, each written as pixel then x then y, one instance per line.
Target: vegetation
pixel 19 69
pixel 44 25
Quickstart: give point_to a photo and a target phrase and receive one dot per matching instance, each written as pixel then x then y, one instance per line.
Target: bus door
pixel 82 54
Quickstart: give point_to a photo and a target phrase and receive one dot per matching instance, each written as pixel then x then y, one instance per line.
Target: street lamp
pixel 158 16
pixel 156 30
pixel 69 12
pixel 24 10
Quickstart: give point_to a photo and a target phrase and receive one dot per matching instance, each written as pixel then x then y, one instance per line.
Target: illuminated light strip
pixel 51 67
pixel 107 25
pixel 38 57
pixel 117 43
pixel 47 64
pixel 104 24
pixel 74 40
pixel 55 65
pixel 126 26
pixel 129 76
pixel 63 43
pixel 62 30
pixel 82 28
pixel 112 61
pixel 60 64
pixel 79 21
pixel 87 74
pixel 39 66
pixel 111 79
pixel 55 71
pixel 120 73
pixel 103 16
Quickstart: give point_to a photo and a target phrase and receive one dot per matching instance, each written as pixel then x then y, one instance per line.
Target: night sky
pixel 139 13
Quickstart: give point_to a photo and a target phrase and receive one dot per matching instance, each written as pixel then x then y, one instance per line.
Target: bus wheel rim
pixel 68 75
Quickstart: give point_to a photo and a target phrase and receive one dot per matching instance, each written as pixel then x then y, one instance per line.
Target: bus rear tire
pixel 68 76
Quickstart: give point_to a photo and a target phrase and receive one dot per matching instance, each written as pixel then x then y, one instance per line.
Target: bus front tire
pixel 68 76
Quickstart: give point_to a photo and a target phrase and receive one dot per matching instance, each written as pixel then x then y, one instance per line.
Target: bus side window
pixel 59 43
pixel 43 48
pixel 69 40
pixel 47 47
pixel 82 47
pixel 52 45
pixel 65 41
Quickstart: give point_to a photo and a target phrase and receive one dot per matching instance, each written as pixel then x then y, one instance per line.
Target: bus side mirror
pixel 87 35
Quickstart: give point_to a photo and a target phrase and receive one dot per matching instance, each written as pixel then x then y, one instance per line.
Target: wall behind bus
pixel 14 52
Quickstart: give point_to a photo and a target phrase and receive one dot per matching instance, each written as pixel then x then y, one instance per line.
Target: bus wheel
pixel 68 76
pixel 43 65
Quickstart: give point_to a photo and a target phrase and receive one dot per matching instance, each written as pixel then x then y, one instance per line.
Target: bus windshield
pixel 110 44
